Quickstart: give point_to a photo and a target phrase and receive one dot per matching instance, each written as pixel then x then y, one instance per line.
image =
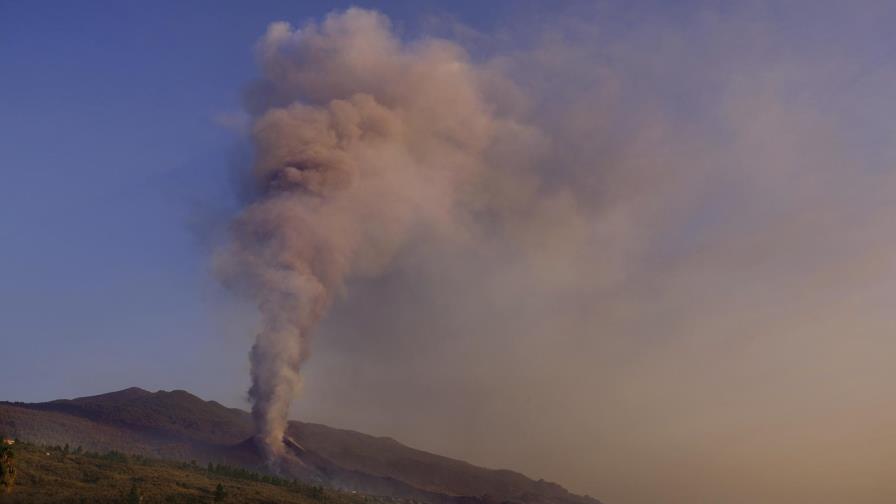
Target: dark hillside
pixel 53 475
pixel 178 425
pixel 176 414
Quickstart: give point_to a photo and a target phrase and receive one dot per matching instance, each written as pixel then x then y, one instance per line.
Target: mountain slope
pixel 179 425
pixel 53 475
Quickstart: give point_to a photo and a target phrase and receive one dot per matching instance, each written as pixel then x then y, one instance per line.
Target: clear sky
pixel 690 299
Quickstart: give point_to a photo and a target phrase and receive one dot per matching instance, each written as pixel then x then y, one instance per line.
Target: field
pixel 61 474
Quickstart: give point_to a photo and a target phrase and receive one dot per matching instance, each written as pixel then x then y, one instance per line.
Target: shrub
pixel 134 496
pixel 7 468
pixel 220 493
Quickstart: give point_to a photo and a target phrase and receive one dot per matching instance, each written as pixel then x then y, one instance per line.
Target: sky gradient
pixel 694 306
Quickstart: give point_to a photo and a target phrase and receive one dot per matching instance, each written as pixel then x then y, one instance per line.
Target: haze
pixel 673 282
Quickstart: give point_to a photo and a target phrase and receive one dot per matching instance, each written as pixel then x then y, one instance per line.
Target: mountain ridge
pixel 177 424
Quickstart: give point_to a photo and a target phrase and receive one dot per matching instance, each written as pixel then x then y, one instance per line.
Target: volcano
pixel 178 425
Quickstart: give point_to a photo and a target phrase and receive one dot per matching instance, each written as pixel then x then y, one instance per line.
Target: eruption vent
pixel 362 142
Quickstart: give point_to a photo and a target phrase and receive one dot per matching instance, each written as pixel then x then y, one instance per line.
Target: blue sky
pixel 115 169
pixel 112 162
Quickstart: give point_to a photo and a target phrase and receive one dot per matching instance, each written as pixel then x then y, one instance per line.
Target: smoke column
pixel 663 241
pixel 362 143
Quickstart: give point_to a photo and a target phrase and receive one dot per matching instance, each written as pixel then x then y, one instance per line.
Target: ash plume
pixel 363 143
pixel 608 217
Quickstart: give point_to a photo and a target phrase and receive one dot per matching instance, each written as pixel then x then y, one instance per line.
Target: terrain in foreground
pixel 177 425
pixel 61 474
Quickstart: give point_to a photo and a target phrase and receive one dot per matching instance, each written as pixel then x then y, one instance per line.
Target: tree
pixel 7 468
pixel 220 493
pixel 134 496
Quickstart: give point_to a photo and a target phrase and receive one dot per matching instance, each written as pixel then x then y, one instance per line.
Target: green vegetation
pixel 7 467
pixel 134 496
pixel 220 493
pixel 56 474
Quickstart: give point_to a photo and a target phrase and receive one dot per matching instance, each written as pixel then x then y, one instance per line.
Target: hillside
pixel 178 425
pixel 55 474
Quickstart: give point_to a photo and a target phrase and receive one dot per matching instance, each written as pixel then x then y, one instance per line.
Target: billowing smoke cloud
pixel 363 143
pixel 645 252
